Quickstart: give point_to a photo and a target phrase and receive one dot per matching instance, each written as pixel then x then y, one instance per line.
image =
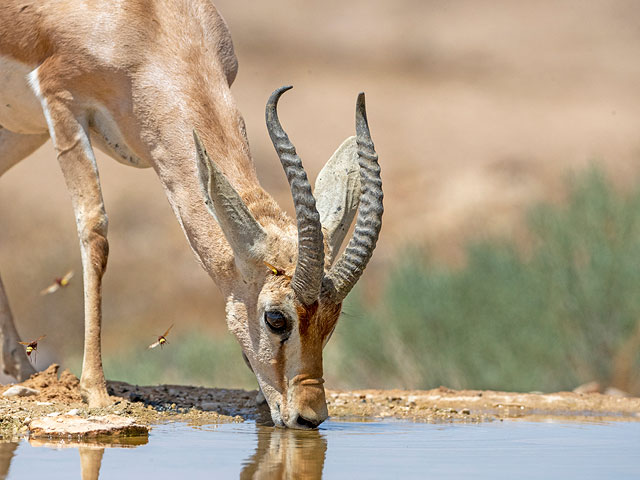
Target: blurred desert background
pixel 485 115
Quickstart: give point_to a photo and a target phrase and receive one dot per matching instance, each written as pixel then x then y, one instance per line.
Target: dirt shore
pixel 59 394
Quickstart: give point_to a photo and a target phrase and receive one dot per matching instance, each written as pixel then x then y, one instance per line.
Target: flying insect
pixel 58 283
pixel 162 339
pixel 32 347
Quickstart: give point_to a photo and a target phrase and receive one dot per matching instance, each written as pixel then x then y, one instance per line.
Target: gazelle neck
pixel 174 160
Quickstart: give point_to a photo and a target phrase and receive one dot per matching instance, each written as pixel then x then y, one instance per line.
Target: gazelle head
pixel 288 290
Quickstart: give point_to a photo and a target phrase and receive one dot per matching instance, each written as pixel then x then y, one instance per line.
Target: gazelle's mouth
pixel 304 424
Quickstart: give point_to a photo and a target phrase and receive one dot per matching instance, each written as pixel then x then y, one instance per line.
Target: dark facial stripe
pixel 305 317
pixel 316 322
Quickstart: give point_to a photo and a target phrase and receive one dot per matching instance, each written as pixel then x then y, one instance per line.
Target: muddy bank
pixel 58 394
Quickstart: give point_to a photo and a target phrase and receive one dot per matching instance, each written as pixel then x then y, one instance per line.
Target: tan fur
pixel 158 70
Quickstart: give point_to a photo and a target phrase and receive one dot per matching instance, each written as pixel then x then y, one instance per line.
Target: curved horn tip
pixel 273 99
pixel 361 107
pixel 360 103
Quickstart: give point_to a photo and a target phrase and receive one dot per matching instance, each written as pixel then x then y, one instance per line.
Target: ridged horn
pixel 349 267
pixel 307 279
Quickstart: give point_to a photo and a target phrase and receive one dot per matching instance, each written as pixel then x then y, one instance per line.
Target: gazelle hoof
pixel 96 397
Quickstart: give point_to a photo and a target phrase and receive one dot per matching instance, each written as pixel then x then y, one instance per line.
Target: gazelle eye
pixel 276 321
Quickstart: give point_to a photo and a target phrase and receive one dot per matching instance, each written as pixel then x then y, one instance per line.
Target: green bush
pixel 548 321
pixel 190 359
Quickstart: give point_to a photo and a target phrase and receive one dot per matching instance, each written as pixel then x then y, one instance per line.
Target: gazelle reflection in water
pixel 90 462
pixel 91 452
pixel 7 451
pixel 280 454
pixel 284 453
pixel 90 456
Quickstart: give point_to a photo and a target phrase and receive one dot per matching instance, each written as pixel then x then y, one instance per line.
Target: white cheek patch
pixel 293 355
pixel 238 325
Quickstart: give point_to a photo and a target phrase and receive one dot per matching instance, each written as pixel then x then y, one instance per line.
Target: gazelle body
pixel 136 79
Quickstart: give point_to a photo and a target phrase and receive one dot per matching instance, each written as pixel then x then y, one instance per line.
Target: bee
pixel 277 271
pixel 32 347
pixel 162 339
pixel 58 283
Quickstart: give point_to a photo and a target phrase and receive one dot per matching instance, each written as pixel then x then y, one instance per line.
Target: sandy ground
pixel 198 405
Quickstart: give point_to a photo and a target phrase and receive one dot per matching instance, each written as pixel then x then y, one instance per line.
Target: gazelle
pixel 137 79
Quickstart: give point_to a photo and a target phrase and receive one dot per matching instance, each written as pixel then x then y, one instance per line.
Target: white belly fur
pixel 106 135
pixel 20 109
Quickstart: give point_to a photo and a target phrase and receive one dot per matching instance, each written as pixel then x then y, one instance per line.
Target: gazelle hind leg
pixel 14 359
pixel 16 146
pixel 13 148
pixel 69 132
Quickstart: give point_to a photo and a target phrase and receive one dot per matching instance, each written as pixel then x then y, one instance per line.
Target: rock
pixel 135 397
pixel 209 406
pixel 616 392
pixel 74 426
pixel 20 391
pixel 589 387
pixel 73 411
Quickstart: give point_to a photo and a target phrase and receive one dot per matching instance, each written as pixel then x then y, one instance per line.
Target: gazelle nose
pixel 306 423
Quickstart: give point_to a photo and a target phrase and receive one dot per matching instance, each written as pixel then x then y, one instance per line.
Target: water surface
pixel 378 449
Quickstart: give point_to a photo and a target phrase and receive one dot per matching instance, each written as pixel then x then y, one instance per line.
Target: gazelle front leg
pixel 68 129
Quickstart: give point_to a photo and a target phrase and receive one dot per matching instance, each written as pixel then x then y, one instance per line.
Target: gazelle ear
pixel 243 232
pixel 337 193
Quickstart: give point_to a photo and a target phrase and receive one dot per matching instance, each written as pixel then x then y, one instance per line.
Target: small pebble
pixel 20 391
pixel 209 406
